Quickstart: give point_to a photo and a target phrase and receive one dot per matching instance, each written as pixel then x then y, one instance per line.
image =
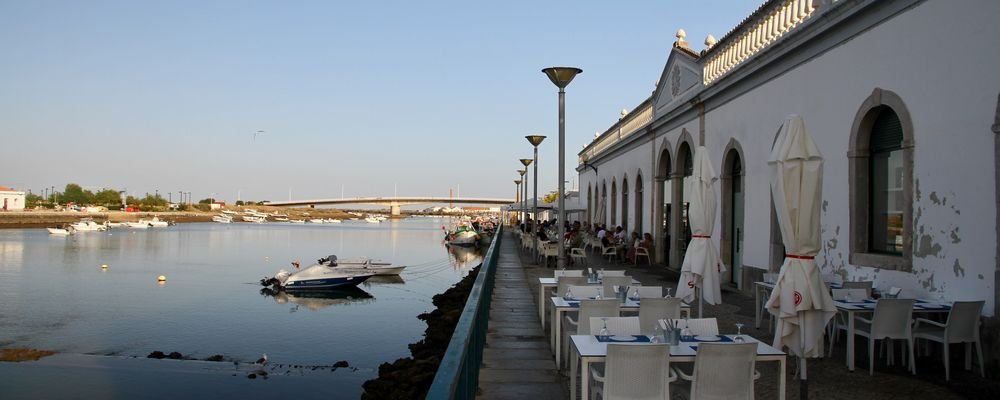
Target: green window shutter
pixel 887 132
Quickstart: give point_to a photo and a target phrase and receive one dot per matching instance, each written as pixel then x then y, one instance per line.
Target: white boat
pixel 373 220
pixel 281 219
pixel 223 219
pixel 296 221
pixel 155 222
pixel 87 225
pixel 229 212
pixel 332 221
pixel 60 230
pixel 363 264
pixel 137 225
pixel 254 219
pixel 110 224
pixel 463 235
pixel 315 277
pixel 316 221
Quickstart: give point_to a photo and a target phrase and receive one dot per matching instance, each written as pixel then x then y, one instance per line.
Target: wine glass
pixel 599 290
pixel 604 330
pixel 739 333
pixel 686 332
pixel 655 338
pixel 668 292
pixel 569 293
pixel 847 297
pixel 635 295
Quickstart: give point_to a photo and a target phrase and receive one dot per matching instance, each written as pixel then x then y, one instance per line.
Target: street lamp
pixel 526 162
pixel 535 140
pixel 524 198
pixel 562 76
pixel 517 191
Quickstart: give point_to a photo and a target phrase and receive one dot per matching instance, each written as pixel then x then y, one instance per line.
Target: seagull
pixel 255 134
pixel 262 360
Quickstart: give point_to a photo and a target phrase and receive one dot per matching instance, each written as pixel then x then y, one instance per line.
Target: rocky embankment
pixel 410 378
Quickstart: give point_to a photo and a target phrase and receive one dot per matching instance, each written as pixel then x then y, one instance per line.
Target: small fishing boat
pixel 60 230
pixel 363 265
pixel 373 220
pixel 87 225
pixel 254 219
pixel 281 219
pixel 223 219
pixel 332 221
pixel 296 221
pixel 137 225
pixel 463 235
pixel 315 277
pixel 316 221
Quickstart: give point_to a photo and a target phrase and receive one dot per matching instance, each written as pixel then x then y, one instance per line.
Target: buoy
pixel 161 278
pixel 104 266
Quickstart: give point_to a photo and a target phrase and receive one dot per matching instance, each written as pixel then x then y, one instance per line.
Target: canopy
pixel 701 267
pixel 800 300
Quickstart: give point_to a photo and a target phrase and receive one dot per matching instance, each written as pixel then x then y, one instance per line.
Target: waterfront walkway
pixel 517 363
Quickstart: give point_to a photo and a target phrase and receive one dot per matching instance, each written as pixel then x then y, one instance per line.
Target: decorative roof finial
pixel 680 39
pixel 623 113
pixel 710 41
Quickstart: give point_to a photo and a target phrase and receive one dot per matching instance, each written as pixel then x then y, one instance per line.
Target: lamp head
pixel 561 76
pixel 535 140
pixel 517 181
pixel 522 171
pixel 526 161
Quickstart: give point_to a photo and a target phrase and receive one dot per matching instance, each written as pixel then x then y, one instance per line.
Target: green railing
pixel 458 375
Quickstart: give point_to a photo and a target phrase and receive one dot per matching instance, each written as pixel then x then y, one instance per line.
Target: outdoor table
pixel 868 306
pixel 763 289
pixel 592 350
pixel 561 305
pixel 547 283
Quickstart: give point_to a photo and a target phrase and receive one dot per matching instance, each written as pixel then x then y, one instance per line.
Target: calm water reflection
pixel 54 294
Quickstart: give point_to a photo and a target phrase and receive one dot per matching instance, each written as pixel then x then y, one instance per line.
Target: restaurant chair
pixel 723 371
pixel 616 325
pixel 866 285
pixel 611 252
pixel 962 326
pixel 634 372
pixel 652 310
pixel 549 250
pixel 609 283
pixel 853 294
pixel 614 272
pixel 832 279
pixel 642 252
pixel 567 272
pixel 581 324
pixel 646 292
pixel 578 254
pixel 892 320
pixel 586 292
pixel 563 283
pixel 699 326
pixel 838 322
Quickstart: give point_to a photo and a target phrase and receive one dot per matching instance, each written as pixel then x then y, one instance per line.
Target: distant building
pixel 217 205
pixel 10 199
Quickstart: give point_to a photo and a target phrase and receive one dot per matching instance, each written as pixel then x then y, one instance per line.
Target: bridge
pixel 393 202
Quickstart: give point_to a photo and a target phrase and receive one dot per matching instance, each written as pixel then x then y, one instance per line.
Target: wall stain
pixel 959 271
pixel 926 246
pixel 934 198
pixel 954 236
pixel 825 203
pixel 981 277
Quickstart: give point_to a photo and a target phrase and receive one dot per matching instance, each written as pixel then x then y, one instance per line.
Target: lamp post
pixel 561 77
pixel 526 162
pixel 535 140
pixel 524 198
pixel 517 192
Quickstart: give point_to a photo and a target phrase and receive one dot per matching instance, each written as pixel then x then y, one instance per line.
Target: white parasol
pixel 702 268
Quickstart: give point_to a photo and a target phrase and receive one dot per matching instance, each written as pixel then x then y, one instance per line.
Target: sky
pixel 354 98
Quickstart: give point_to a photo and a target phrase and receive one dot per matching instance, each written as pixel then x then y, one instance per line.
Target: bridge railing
pixel 458 374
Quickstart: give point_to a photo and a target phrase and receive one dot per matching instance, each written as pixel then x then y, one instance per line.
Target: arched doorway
pixel 732 215
pixel 590 204
pixel 685 164
pixel 614 204
pixel 638 204
pixel 664 192
pixel 625 204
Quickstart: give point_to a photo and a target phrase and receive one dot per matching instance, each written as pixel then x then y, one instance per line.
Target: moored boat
pixel 87 225
pixel 463 235
pixel 315 277
pixel 60 230
pixel 363 264
pixel 223 219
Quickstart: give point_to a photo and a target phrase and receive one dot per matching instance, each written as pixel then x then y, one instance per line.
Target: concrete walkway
pixel 517 363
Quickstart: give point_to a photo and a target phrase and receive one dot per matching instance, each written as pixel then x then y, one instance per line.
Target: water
pixel 55 296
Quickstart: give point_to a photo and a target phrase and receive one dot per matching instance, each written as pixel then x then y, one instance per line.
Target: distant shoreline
pixel 48 218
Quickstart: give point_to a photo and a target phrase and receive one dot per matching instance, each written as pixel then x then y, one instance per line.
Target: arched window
pixel 638 203
pixel 590 204
pixel 881 189
pixel 625 203
pixel 614 203
pixel 602 210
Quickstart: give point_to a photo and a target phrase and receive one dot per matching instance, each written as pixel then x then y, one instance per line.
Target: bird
pixel 262 360
pixel 255 134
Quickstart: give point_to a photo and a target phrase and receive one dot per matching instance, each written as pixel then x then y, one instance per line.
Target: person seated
pixel 634 241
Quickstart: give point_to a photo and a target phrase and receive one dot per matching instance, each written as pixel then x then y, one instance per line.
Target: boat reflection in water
pixel 465 257
pixel 316 300
pixel 383 280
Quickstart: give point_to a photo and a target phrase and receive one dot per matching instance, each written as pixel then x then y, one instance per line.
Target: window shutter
pixel 887 132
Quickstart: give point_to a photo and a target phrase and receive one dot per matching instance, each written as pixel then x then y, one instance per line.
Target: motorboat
pixel 254 219
pixel 296 221
pixel 155 222
pixel 230 212
pixel 281 219
pixel 332 221
pixel 60 230
pixel 315 277
pixel 137 225
pixel 223 218
pixel 87 225
pixel 110 224
pixel 373 220
pixel 463 235
pixel 316 221
pixel 363 265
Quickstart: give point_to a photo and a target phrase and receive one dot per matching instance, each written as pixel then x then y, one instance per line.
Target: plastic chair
pixel 838 322
pixel 578 254
pixel 699 326
pixel 853 294
pixel 892 320
pixel 609 282
pixel 614 272
pixel 962 326
pixel 634 372
pixel 585 291
pixel 616 325
pixel 866 285
pixel 642 252
pixel 549 250
pixel 581 325
pixel 567 272
pixel 651 310
pixel 611 252
pixel 563 283
pixel 722 371
pixel 646 292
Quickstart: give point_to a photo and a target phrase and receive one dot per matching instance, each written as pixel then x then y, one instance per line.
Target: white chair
pixel 577 254
pixel 646 292
pixel 581 324
pixel 651 310
pixel 770 277
pixel 838 322
pixel 634 372
pixel 613 272
pixel 832 279
pixel 892 320
pixel 563 283
pixel 585 291
pixel 962 326
pixel 852 294
pixel 699 326
pixel 723 371
pixel 616 325
pixel 866 285
pixel 609 283
pixel 549 250
pixel 641 252
pixel 611 252
pixel 567 272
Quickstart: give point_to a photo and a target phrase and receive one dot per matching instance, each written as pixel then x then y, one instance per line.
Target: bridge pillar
pixel 394 209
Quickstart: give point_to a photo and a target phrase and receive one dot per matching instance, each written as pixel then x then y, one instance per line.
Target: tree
pixel 206 201
pixel 32 200
pixel 551 197
pixel 75 194
pixel 107 198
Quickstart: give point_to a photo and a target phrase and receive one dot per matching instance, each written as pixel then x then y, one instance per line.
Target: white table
pixel 547 283
pixel 868 306
pixel 593 351
pixel 560 306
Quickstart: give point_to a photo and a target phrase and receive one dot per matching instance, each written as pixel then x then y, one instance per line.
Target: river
pixel 55 295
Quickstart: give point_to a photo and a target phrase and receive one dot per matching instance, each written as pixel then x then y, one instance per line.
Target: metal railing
pixel 458 374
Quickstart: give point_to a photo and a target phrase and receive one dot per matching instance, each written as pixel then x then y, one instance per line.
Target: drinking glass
pixel 655 338
pixel 668 292
pixel 686 332
pixel 604 330
pixel 599 290
pixel 569 294
pixel 847 297
pixel 739 333
pixel 635 295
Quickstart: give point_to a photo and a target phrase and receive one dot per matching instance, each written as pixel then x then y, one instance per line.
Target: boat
pixel 254 219
pixel 87 225
pixel 463 235
pixel 373 220
pixel 137 225
pixel 155 222
pixel 296 221
pixel 110 224
pixel 281 219
pixel 332 221
pixel 223 218
pixel 316 221
pixel 315 277
pixel 60 230
pixel 363 265
pixel 230 212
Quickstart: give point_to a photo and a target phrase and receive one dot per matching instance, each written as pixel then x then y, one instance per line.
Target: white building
pixel 900 96
pixel 11 200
